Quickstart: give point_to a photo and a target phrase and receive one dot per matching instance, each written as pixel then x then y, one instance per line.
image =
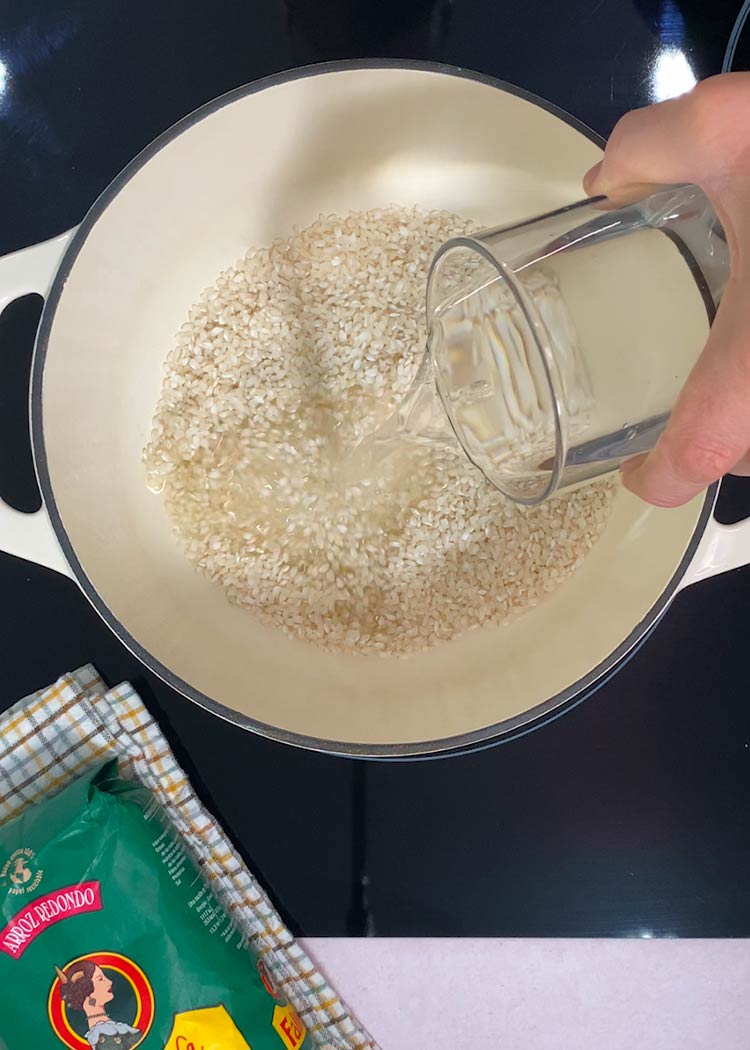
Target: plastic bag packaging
pixel 110 939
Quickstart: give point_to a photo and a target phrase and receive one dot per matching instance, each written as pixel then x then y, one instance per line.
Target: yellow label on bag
pixel 208 1029
pixel 289 1027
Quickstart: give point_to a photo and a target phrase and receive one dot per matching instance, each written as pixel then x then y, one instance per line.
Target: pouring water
pixel 552 354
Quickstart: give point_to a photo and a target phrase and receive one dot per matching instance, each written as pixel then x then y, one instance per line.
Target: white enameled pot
pixel 237 172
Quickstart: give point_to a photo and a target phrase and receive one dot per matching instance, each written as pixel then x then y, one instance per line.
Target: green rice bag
pixel 111 940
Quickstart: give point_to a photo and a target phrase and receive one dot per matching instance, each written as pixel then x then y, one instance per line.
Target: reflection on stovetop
pixel 84 86
pixel 625 817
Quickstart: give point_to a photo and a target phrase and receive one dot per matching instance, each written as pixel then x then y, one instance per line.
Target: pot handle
pixel 721 549
pixel 31 536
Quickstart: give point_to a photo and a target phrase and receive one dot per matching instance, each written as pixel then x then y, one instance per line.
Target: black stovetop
pixel 628 816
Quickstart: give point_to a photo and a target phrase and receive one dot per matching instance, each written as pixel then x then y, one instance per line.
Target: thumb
pixel 709 430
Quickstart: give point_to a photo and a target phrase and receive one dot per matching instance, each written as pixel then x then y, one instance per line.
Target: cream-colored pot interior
pixel 240 174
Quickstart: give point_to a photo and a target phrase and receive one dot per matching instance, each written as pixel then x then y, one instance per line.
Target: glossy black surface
pixel 625 817
pixel 737 53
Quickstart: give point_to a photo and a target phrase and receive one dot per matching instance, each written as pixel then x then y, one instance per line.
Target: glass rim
pixel 537 328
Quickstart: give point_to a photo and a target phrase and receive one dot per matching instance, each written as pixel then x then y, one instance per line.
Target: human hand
pixel 704 138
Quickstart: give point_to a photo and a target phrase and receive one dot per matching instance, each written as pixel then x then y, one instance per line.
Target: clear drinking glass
pixel 559 344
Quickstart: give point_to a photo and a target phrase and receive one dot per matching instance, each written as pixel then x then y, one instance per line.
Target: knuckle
pixel 664 500
pixel 717 110
pixel 702 103
pixel 702 461
pixel 715 92
pixel 622 134
pixel 621 156
pixel 707 91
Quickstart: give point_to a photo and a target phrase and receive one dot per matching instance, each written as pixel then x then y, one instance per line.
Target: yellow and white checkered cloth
pixel 60 733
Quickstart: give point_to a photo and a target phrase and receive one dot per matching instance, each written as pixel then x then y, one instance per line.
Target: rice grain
pixel 294 355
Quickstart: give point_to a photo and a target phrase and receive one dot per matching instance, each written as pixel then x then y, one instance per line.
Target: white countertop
pixel 544 994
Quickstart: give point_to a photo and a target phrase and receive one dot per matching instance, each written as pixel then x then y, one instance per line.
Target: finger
pixel 622 195
pixel 590 178
pixel 709 430
pixel 648 147
pixel 629 467
pixel 741 469
pixel 687 139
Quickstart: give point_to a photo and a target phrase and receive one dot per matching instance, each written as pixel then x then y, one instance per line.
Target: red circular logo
pixel 100 993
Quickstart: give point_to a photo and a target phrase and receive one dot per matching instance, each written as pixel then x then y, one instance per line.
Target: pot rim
pixel 478 739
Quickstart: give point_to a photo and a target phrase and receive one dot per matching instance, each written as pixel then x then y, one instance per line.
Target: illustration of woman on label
pixel 84 986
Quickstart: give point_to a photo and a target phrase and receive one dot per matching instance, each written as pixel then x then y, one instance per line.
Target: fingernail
pixel 630 479
pixel 589 179
pixel 630 472
pixel 633 463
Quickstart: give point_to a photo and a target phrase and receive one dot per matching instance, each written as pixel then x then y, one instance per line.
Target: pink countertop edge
pixel 544 994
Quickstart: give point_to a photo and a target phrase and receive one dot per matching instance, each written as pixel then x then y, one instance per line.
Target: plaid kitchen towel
pixel 63 732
